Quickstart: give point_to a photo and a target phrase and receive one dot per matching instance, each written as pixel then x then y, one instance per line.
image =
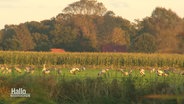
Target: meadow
pixel 88 86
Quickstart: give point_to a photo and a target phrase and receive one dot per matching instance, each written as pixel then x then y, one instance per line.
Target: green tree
pixel 181 41
pixel 41 41
pixel 1 39
pixel 17 36
pixel 11 44
pixel 64 37
pixel 144 43
pixel 24 37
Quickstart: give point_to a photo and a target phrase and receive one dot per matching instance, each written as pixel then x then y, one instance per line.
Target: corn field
pixel 92 59
pixel 127 84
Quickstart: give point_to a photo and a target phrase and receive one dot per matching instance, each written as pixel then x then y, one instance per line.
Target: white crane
pixel 142 72
pixel 103 71
pixel 161 73
pixel 45 70
pixel 74 70
pixel 18 69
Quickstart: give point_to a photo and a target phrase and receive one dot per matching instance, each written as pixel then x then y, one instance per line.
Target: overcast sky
pixel 20 11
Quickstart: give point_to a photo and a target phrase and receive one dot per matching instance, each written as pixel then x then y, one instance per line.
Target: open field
pixel 144 83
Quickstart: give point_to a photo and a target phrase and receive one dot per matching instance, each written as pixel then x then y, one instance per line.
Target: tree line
pixel 87 26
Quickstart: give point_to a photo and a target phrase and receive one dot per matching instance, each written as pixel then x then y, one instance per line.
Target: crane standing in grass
pixel 152 70
pixel 103 71
pixel 161 73
pixel 29 69
pixel 126 73
pixel 74 70
pixel 18 69
pixel 45 70
pixel 5 70
pixel 58 70
pixel 142 72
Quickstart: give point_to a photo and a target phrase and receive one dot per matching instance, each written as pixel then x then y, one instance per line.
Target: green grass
pixel 87 88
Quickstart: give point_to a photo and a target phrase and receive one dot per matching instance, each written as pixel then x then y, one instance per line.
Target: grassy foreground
pixel 87 88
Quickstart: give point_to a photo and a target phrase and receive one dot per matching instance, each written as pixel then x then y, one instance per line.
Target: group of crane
pixel 142 72
pixel 73 70
pixel 164 71
pixel 48 70
pixel 4 69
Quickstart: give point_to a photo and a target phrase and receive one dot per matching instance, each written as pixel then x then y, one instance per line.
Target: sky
pixel 21 11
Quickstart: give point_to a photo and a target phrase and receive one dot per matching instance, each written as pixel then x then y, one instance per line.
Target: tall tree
pixel 17 38
pixel 25 38
pixel 87 32
pixel 118 37
pixel 1 39
pixel 41 41
pixel 86 7
pixel 165 25
pixel 144 43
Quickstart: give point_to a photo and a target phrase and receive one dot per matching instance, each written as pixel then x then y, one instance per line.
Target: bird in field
pixel 18 69
pixel 29 69
pixel 100 73
pixel 2 68
pixel 152 70
pixel 83 68
pixel 59 71
pixel 8 70
pixel 45 70
pixel 74 70
pixel 126 73
pixel 5 70
pixel 44 67
pixel 142 72
pixel 103 71
pixel 161 73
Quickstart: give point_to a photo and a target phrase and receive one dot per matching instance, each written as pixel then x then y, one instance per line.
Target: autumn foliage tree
pixel 144 43
pixel 118 37
pixel 165 25
pixel 86 7
pixel 86 25
pixel 17 38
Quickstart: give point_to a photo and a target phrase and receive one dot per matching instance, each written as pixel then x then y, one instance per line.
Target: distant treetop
pixel 86 7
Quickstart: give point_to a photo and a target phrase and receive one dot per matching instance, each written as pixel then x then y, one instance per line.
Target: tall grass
pixel 92 59
pixel 97 90
pixel 85 87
